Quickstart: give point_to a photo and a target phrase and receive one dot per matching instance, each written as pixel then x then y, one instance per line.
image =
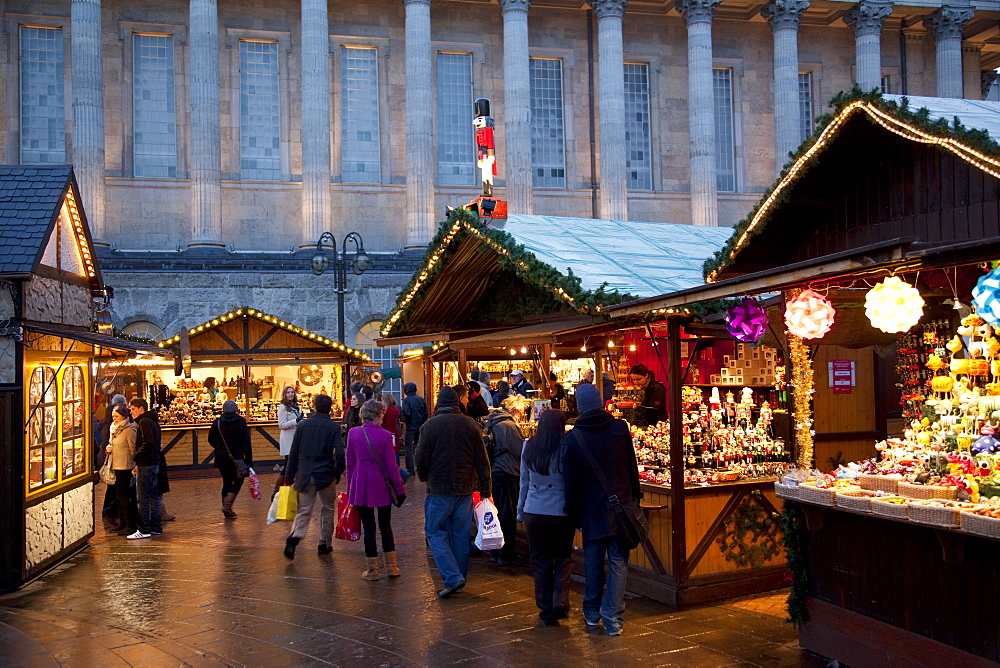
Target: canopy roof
pixel 477 277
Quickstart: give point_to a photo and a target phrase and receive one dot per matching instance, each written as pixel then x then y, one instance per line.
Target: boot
pixel 290 543
pixel 390 564
pixel 227 505
pixel 372 573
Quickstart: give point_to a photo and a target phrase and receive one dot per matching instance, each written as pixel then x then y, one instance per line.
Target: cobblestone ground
pixel 216 592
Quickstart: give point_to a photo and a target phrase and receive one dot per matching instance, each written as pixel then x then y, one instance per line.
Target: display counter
pixel 186 446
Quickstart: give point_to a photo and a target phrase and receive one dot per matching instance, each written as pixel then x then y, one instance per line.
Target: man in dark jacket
pixel 451 459
pixel 520 385
pixel 654 395
pixel 414 414
pixel 610 444
pixel 315 464
pixel 477 404
pixel 147 468
pixel 505 440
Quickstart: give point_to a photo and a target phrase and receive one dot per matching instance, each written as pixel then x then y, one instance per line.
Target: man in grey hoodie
pixel 505 441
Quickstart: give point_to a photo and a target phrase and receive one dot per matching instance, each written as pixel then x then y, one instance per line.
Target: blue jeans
pixel 148 498
pixel 446 522
pixel 605 601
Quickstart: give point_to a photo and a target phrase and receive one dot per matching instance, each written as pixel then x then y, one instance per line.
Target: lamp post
pixel 320 262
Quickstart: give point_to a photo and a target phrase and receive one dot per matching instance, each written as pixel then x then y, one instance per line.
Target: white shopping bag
pixel 489 536
pixel 272 512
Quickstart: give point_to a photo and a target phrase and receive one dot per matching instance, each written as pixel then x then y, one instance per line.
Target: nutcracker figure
pixel 486 205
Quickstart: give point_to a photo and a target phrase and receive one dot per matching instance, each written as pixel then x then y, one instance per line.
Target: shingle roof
pixel 30 198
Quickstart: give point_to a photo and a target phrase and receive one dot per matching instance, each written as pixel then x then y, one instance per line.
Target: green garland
pixel 747 536
pixel 793 524
pixel 119 334
pixel 976 139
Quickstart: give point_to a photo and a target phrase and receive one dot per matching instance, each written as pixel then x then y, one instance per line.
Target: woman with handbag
pixel 374 484
pixel 230 436
pixel 541 507
pixel 121 447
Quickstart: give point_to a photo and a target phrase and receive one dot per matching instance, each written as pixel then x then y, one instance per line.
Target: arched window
pixel 386 357
pixel 144 330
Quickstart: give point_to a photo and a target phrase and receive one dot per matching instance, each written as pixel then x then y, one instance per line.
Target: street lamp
pixel 320 263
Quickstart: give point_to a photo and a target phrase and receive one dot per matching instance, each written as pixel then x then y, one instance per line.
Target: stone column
pixel 701 110
pixel 420 161
pixel 205 160
pixel 784 17
pixel 613 199
pixel 316 173
pixel 947 24
pixel 866 19
pixel 88 110
pixel 517 106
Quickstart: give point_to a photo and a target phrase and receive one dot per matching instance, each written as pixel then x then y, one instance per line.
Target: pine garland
pixel 796 537
pixel 119 334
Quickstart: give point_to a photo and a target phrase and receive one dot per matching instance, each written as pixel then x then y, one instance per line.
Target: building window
pixel 805 105
pixel 260 126
pixel 386 357
pixel 885 84
pixel 57 425
pixel 43 102
pixel 154 127
pixel 359 161
pixel 637 143
pixel 456 136
pixel 548 140
pixel 142 329
pixel 725 139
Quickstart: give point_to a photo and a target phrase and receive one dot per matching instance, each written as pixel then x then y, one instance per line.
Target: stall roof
pixel 883 187
pixel 101 340
pixel 476 277
pixel 539 333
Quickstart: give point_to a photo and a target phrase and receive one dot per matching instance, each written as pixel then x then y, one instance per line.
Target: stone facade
pixel 78 513
pixel 57 523
pixel 52 301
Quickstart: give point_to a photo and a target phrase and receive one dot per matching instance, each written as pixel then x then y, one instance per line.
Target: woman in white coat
pixel 289 416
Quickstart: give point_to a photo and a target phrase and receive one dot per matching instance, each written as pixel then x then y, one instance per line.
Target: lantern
pixel 809 316
pixel 986 297
pixel 894 305
pixel 746 321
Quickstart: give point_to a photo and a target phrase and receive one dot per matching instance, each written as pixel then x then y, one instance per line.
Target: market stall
pixel 247 356
pixel 886 225
pixel 49 352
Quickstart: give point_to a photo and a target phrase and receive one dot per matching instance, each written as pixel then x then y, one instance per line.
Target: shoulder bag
pixel 632 523
pixel 397 500
pixel 242 470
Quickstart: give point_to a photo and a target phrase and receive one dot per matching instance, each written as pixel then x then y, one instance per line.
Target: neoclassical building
pixel 215 140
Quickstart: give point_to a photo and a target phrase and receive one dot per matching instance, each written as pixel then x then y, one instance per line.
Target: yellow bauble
pixel 934 362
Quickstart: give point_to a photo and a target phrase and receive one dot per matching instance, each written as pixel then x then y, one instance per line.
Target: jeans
pixel 550 543
pixel 506 489
pixel 303 512
pixel 148 498
pixel 384 524
pixel 123 494
pixel 446 524
pixel 605 601
pixel 409 445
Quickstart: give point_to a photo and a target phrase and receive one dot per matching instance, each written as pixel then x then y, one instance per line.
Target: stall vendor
pixel 519 384
pixel 654 397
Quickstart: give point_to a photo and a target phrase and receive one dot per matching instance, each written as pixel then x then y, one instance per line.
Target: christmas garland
pixel 796 539
pixel 119 334
pixel 978 140
pixel 747 537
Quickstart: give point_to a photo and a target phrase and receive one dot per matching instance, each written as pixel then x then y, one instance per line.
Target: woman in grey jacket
pixel 541 507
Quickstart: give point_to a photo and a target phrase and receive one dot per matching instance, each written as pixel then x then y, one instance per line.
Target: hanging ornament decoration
pixel 803 386
pixel 809 315
pixel 986 297
pixel 894 305
pixel 746 321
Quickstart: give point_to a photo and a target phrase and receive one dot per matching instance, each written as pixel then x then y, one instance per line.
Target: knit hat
pixel 118 400
pixel 410 388
pixel 474 374
pixel 587 398
pixel 229 406
pixel 123 411
pixel 447 397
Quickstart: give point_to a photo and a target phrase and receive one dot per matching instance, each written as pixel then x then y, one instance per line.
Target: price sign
pixel 841 375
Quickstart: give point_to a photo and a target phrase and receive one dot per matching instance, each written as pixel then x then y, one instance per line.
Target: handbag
pixel 631 520
pixel 348 519
pixel 108 476
pixel 393 495
pixel 242 470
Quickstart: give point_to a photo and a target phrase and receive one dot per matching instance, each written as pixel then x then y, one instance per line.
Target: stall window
pixel 144 330
pixel 57 449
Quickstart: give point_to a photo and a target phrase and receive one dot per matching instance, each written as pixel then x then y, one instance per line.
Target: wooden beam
pixel 678 530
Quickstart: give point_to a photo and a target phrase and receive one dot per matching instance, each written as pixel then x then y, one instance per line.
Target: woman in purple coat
pixel 371 468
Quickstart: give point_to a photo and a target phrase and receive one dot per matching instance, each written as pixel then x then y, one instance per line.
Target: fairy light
pixel 803 388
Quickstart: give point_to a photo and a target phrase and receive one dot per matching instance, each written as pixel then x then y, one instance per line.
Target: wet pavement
pixel 212 592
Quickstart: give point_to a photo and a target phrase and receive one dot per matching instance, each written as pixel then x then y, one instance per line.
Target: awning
pixel 102 341
pixel 552 332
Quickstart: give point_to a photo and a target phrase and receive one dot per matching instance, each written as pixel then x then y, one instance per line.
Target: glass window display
pixel 57 449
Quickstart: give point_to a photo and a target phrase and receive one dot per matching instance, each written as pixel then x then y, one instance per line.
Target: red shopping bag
pixel 348 519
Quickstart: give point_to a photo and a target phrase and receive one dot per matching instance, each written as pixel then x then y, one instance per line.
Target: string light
pixel 524 350
pixel 552 354
pixel 631 347
pixel 803 387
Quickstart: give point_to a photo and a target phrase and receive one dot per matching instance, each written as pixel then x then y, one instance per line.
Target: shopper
pixel 654 397
pixel 352 416
pixel 608 387
pixel 541 506
pixel 414 414
pixel 315 465
pixel 519 384
pixel 230 436
pixel 289 417
pixel 483 378
pixel 476 403
pixel 462 390
pixel 147 467
pixel 558 392
pixel 390 422
pixel 110 506
pixel 505 441
pixel 502 393
pixel 610 444
pixel 451 459
pixel 370 469
pixel 121 448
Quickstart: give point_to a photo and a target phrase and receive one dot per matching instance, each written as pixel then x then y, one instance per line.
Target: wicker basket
pixel 855 499
pixel 819 496
pixel 980 525
pixel 940 516
pixel 897 510
pixel 926 491
pixel 882 483
pixel 786 491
